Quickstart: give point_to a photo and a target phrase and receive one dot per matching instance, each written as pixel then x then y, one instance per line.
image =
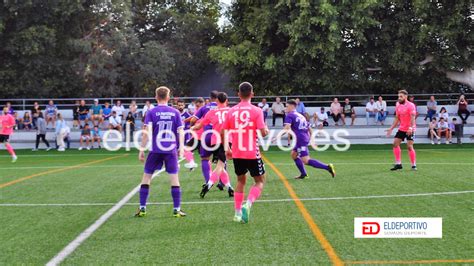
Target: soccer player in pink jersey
pixel 7 123
pixel 243 121
pixel 405 115
pixel 216 118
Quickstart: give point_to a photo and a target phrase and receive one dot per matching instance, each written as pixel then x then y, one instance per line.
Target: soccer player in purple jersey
pixel 167 128
pixel 188 155
pixel 297 123
pixel 203 152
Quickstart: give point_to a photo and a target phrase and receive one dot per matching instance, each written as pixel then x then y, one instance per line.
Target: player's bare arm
pixel 141 153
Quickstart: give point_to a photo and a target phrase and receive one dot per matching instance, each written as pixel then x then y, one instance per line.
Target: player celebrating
pixel 216 118
pixel 7 123
pixel 405 113
pixel 203 152
pixel 188 155
pixel 297 123
pixel 243 121
pixel 166 125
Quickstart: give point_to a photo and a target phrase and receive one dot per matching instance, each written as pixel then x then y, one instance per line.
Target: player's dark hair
pixel 454 119
pixel 200 100
pixel 222 97
pixel 213 94
pixel 162 93
pixel 245 89
pixel 180 101
pixel 291 102
pixel 403 92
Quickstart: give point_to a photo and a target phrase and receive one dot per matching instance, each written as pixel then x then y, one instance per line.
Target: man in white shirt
pixel 278 110
pixel 265 107
pixel 444 130
pixel 115 121
pixel 320 119
pixel 382 113
pixel 118 109
pixel 148 106
pixel 371 110
pixel 191 108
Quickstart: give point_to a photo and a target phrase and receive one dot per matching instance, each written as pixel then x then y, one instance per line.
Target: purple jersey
pixel 299 126
pixel 165 122
pixel 187 125
pixel 203 111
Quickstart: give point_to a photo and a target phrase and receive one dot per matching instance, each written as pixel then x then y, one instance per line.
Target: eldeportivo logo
pixel 398 227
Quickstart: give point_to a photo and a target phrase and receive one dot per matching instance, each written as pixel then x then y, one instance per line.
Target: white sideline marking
pixel 230 201
pixel 73 245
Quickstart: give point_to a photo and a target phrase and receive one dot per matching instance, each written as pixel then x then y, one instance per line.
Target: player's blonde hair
pixel 403 92
pixel 162 92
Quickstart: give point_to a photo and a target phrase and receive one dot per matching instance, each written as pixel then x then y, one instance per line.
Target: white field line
pixel 230 201
pixel 73 245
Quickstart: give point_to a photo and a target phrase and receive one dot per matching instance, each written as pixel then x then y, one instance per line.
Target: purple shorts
pixel 301 150
pixel 155 161
pixel 202 151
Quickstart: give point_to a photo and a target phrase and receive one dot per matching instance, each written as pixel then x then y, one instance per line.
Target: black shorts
pixel 219 154
pixel 254 166
pixel 403 135
pixel 4 138
pixel 190 143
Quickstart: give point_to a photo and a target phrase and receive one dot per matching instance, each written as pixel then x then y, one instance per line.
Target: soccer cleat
pixel 301 177
pixel 413 168
pixel 245 213
pixel 238 218
pixel 332 170
pixel 230 190
pixel 80 148
pixel 34 150
pixel 190 165
pixel 178 213
pixel 396 167
pixel 204 190
pixel 220 186
pixel 48 149
pixel 14 158
pixel 141 212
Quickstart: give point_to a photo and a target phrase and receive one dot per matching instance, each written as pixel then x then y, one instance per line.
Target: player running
pixel 243 121
pixel 297 123
pixel 216 118
pixel 405 114
pixel 203 152
pixel 188 155
pixel 7 123
pixel 167 131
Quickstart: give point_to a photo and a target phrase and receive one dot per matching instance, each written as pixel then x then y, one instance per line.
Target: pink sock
pixel 10 149
pixel 238 199
pixel 225 178
pixel 412 155
pixel 188 155
pixel 254 194
pixel 398 154
pixel 214 177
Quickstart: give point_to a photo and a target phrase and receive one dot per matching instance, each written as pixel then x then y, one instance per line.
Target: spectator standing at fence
pixel 35 111
pixel 431 107
pixel 115 122
pixel 371 110
pixel 463 111
pixel 192 107
pixel 96 136
pixel 443 113
pixel 27 121
pixel 300 108
pixel 265 107
pixel 412 100
pixel 348 111
pixel 41 132
pixel 119 109
pixel 130 120
pixel 75 114
pixel 96 113
pixel 335 111
pixel 83 113
pixel 60 131
pixel 85 137
pixel 133 108
pixel 51 112
pixel 278 110
pixel 381 107
pixel 147 107
pixel 18 121
pixel 320 119
pixel 433 130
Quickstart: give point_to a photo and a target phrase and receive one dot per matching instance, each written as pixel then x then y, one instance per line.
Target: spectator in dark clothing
pixel 41 132
pixel 463 112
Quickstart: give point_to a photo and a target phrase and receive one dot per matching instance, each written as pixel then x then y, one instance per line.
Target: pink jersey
pixel 216 118
pixel 404 113
pixel 7 121
pixel 244 120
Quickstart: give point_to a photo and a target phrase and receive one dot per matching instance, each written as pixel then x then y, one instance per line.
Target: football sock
pixel 10 149
pixel 317 164
pixel 300 166
pixel 144 189
pixel 254 194
pixel 214 178
pixel 225 178
pixel 206 170
pixel 238 199
pixel 397 152
pixel 176 194
pixel 412 155
pixel 188 155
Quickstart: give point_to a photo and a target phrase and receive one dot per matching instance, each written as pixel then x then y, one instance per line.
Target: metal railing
pixel 308 100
